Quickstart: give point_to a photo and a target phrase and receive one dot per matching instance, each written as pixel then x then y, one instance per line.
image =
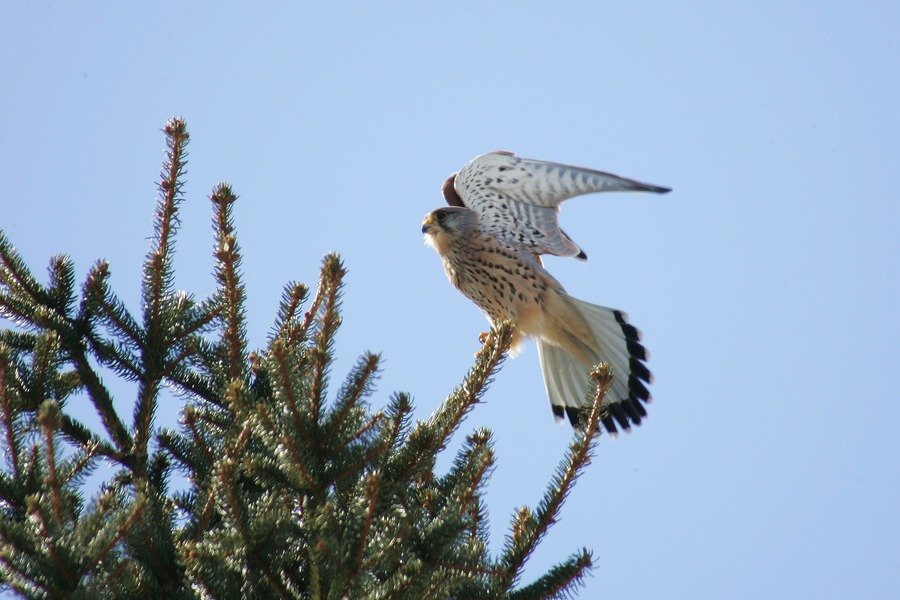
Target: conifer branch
pixel 398 419
pixel 98 393
pixel 228 260
pixel 226 478
pixel 7 415
pixel 435 588
pixel 529 528
pixel 431 437
pixel 306 477
pixel 286 327
pixel 332 279
pixel 283 592
pixel 357 385
pixel 492 354
pixel 158 270
pixel 365 459
pixel 380 554
pixel 26 581
pixel 144 413
pixel 559 581
pixel 206 515
pixel 193 382
pixel 17 342
pixel 467 569
pixel 79 464
pixel 202 317
pixel 285 388
pixel 44 367
pixel 373 487
pixel 102 401
pixel 190 420
pixel 480 462
pixel 84 437
pixel 309 317
pixel 115 539
pixel 158 298
pixel 15 276
pixel 115 574
pixel 50 539
pixel 48 418
pixel 61 290
pixel 17 311
pixel 356 438
pixel 114 313
pixel 51 313
pixel 173 365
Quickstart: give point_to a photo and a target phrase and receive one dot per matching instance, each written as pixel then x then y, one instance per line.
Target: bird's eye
pixel 440 215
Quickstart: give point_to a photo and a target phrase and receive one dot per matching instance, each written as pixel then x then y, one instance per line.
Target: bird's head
pixel 441 225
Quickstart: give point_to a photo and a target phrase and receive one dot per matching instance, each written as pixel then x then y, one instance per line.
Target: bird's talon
pixel 483 336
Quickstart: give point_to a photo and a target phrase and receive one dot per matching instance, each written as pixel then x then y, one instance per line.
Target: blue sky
pixel 766 284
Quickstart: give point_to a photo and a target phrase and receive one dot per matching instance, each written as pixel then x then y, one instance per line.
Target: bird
pixel 501 217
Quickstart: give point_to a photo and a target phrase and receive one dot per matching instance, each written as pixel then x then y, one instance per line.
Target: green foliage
pixel 291 492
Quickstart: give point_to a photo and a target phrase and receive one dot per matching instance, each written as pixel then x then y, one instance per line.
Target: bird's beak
pixel 427 224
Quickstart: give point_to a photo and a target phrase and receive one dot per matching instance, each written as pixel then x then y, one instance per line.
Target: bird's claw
pixel 483 337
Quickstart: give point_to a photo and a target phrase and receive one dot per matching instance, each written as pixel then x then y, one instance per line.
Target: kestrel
pixel 502 215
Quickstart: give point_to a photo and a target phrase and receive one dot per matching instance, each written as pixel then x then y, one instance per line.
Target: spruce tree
pixel 277 483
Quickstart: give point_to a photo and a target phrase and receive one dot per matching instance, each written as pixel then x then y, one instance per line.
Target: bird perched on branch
pixel 502 216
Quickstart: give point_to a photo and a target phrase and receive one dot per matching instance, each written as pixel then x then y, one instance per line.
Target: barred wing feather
pixel 518 199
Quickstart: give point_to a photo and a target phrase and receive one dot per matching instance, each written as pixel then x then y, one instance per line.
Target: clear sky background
pixel 766 283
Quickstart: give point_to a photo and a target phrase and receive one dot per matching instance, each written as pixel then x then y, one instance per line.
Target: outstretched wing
pixel 518 198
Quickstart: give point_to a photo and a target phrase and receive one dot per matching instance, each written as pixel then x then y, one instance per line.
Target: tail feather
pixel 615 342
pixel 565 379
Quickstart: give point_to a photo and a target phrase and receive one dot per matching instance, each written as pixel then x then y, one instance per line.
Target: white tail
pixel 615 342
